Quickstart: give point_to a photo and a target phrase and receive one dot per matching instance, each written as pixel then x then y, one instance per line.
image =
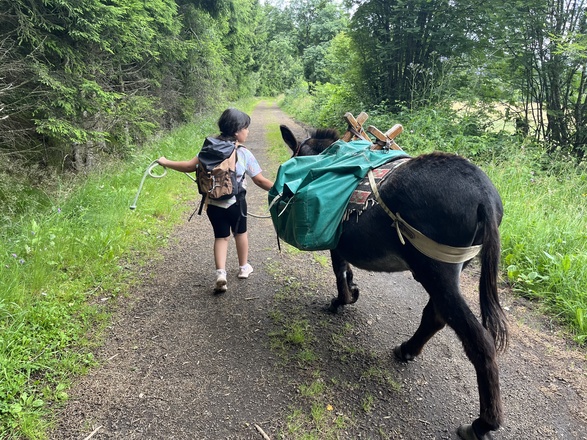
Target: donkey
pixel 452 202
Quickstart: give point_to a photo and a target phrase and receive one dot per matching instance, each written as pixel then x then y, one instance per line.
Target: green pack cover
pixel 310 194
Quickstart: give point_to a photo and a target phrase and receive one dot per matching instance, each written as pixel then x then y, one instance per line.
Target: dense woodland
pixel 79 79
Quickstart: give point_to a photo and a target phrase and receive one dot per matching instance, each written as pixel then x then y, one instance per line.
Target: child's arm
pixel 185 166
pixel 262 182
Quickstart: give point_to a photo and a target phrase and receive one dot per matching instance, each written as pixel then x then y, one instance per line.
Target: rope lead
pixel 148 172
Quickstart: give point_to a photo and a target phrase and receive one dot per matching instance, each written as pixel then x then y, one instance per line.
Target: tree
pixel 404 45
pixel 276 61
pixel 240 42
pixel 316 23
pixel 93 66
pixel 545 43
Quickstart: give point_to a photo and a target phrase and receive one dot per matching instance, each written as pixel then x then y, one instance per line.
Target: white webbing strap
pixel 430 248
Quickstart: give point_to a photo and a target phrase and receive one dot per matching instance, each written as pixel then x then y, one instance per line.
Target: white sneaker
pixel 220 281
pixel 245 271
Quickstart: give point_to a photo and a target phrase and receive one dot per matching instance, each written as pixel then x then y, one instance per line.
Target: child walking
pixel 229 214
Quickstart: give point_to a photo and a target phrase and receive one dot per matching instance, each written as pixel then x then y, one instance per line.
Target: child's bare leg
pixel 242 248
pixel 220 252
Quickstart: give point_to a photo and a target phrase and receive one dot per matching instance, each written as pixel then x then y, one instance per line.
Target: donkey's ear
pixel 289 138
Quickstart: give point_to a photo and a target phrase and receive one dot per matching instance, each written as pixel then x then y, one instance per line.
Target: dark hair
pixel 231 121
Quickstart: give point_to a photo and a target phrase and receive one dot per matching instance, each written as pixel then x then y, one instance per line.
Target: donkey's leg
pixel 348 292
pixel 430 324
pixel 480 349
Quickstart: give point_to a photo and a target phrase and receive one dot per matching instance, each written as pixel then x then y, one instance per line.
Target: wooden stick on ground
pixel 265 436
pixel 94 432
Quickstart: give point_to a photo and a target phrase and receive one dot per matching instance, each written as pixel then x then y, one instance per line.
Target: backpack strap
pixel 203 204
pixel 198 209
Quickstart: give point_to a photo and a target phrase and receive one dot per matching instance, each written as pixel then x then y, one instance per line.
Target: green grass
pixel 277 148
pixel 544 238
pixel 63 262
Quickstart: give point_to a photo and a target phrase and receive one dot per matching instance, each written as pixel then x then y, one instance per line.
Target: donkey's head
pixel 316 143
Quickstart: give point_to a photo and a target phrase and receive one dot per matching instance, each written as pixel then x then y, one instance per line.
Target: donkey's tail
pixel 493 316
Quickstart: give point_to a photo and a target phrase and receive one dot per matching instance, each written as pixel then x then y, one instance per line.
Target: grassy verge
pixel 65 259
pixel 544 237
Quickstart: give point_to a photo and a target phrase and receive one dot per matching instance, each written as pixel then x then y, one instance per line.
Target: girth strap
pixel 430 248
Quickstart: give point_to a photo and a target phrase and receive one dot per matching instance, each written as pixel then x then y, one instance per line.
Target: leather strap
pixel 430 248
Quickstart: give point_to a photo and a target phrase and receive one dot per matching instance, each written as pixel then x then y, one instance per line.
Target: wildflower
pixel 21 261
pixel 15 256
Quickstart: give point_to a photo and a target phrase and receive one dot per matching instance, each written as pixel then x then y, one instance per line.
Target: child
pixel 230 214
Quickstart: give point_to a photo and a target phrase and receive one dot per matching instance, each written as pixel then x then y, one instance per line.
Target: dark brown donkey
pixel 453 203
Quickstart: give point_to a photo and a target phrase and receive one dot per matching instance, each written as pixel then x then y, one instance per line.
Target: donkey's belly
pixel 385 263
pixel 372 248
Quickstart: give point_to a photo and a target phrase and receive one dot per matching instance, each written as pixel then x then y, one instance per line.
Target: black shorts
pixel 224 220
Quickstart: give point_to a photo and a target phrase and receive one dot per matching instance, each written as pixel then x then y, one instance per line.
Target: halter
pixel 299 147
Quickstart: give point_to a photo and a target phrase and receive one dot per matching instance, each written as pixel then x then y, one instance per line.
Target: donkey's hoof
pixel 354 293
pixel 466 432
pixel 333 306
pixel 399 354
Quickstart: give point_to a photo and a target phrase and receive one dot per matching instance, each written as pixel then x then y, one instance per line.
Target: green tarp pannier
pixel 310 194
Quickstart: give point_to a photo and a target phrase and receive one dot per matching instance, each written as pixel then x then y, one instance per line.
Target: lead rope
pixel 273 202
pixel 148 172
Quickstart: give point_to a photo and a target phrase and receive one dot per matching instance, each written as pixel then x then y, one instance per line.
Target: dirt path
pixel 182 363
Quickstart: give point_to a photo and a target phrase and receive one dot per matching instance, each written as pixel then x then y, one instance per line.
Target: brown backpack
pixel 216 172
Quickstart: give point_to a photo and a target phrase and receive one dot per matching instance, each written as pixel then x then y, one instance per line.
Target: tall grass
pixel 544 237
pixel 544 231
pixel 64 260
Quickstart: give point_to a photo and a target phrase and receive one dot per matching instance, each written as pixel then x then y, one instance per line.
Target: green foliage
pixel 342 61
pixel 82 80
pixel 318 24
pixel 298 102
pixel 405 46
pixel 277 61
pixel 240 40
pixel 543 241
pixel 541 47
pixel 85 61
pixel 79 80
